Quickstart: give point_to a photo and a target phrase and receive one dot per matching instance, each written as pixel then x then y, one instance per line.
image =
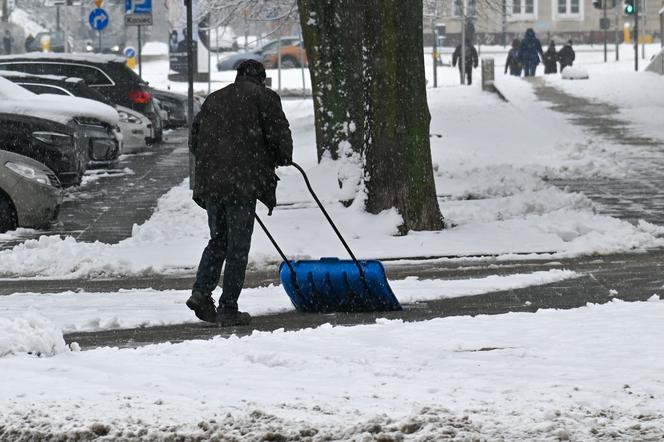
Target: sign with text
pixel 138 12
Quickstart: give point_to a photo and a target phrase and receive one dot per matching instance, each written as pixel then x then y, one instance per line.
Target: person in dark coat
pixel 512 63
pixel 7 42
pixel 472 60
pixel 29 40
pixel 566 56
pixel 550 59
pixel 239 138
pixel 530 53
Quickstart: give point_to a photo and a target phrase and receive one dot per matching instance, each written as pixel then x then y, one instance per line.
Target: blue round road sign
pixel 129 52
pixel 98 19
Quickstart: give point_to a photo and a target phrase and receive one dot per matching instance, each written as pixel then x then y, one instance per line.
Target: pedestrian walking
pixel 7 42
pixel 512 63
pixel 566 55
pixel 550 59
pixel 530 53
pixel 239 138
pixel 29 40
pixel 472 60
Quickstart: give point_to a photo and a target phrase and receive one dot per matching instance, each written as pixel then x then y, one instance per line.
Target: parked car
pixel 48 142
pixel 30 193
pixel 176 107
pixel 231 62
pixel 136 129
pixel 57 42
pixel 107 74
pixel 95 123
pixel 292 56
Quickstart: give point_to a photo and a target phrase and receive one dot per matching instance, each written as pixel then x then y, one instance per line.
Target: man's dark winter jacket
pixel 566 56
pixel 240 136
pixel 472 60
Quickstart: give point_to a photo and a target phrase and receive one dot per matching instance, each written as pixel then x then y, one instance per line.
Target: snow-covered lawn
pixel 592 373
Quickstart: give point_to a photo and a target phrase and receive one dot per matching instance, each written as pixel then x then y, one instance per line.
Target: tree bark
pixel 367 71
pixel 399 170
pixel 334 63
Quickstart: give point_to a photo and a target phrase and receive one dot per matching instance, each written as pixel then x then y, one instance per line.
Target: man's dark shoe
pixel 231 318
pixel 203 306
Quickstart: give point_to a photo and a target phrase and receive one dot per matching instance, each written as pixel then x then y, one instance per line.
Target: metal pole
pixel 463 44
pixel 99 49
pixel 643 40
pixel 636 36
pixel 617 35
pixel 66 29
pixel 57 18
pixel 140 50
pixel 190 67
pixel 190 89
pixel 279 62
pixel 209 57
pixel 604 2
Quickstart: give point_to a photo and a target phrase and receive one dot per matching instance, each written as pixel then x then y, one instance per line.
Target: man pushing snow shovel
pixel 239 138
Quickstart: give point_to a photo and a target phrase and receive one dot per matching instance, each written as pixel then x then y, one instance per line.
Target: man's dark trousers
pixel 231 222
pixel 469 75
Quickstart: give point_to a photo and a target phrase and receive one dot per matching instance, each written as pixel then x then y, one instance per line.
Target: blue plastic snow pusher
pixel 331 284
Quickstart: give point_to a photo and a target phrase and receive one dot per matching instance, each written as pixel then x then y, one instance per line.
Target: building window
pixel 521 9
pixel 471 8
pixel 568 9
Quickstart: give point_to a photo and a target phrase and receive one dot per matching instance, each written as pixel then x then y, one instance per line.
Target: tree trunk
pixel 367 71
pixel 334 63
pixel 399 171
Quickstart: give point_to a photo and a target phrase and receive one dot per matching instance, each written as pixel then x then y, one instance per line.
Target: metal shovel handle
pixel 329 220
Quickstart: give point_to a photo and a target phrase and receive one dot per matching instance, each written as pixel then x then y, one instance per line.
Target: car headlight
pixel 28 172
pixel 53 138
pixel 128 118
pixel 115 48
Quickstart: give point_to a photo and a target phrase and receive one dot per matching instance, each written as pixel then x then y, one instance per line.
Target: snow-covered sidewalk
pixel 592 373
pixel 86 312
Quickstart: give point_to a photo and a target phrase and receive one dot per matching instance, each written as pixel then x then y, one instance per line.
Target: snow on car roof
pixel 15 99
pixel 93 58
pixel 19 74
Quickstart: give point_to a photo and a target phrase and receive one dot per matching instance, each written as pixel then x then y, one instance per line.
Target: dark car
pixel 135 128
pixel 176 106
pixel 107 74
pixel 56 44
pixel 53 84
pixel 54 144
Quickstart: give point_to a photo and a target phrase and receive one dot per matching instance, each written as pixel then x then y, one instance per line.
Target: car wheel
pixel 289 63
pixel 8 219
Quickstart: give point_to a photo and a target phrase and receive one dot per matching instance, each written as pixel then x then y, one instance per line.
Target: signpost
pixel 98 20
pixel 138 13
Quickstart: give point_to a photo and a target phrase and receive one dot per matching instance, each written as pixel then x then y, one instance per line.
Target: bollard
pixel 488 74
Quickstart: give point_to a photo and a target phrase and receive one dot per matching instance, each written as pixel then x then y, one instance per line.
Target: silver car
pixel 30 193
pixel 136 129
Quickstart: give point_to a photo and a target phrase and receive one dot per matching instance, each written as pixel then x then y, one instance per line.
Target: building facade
pixel 499 21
